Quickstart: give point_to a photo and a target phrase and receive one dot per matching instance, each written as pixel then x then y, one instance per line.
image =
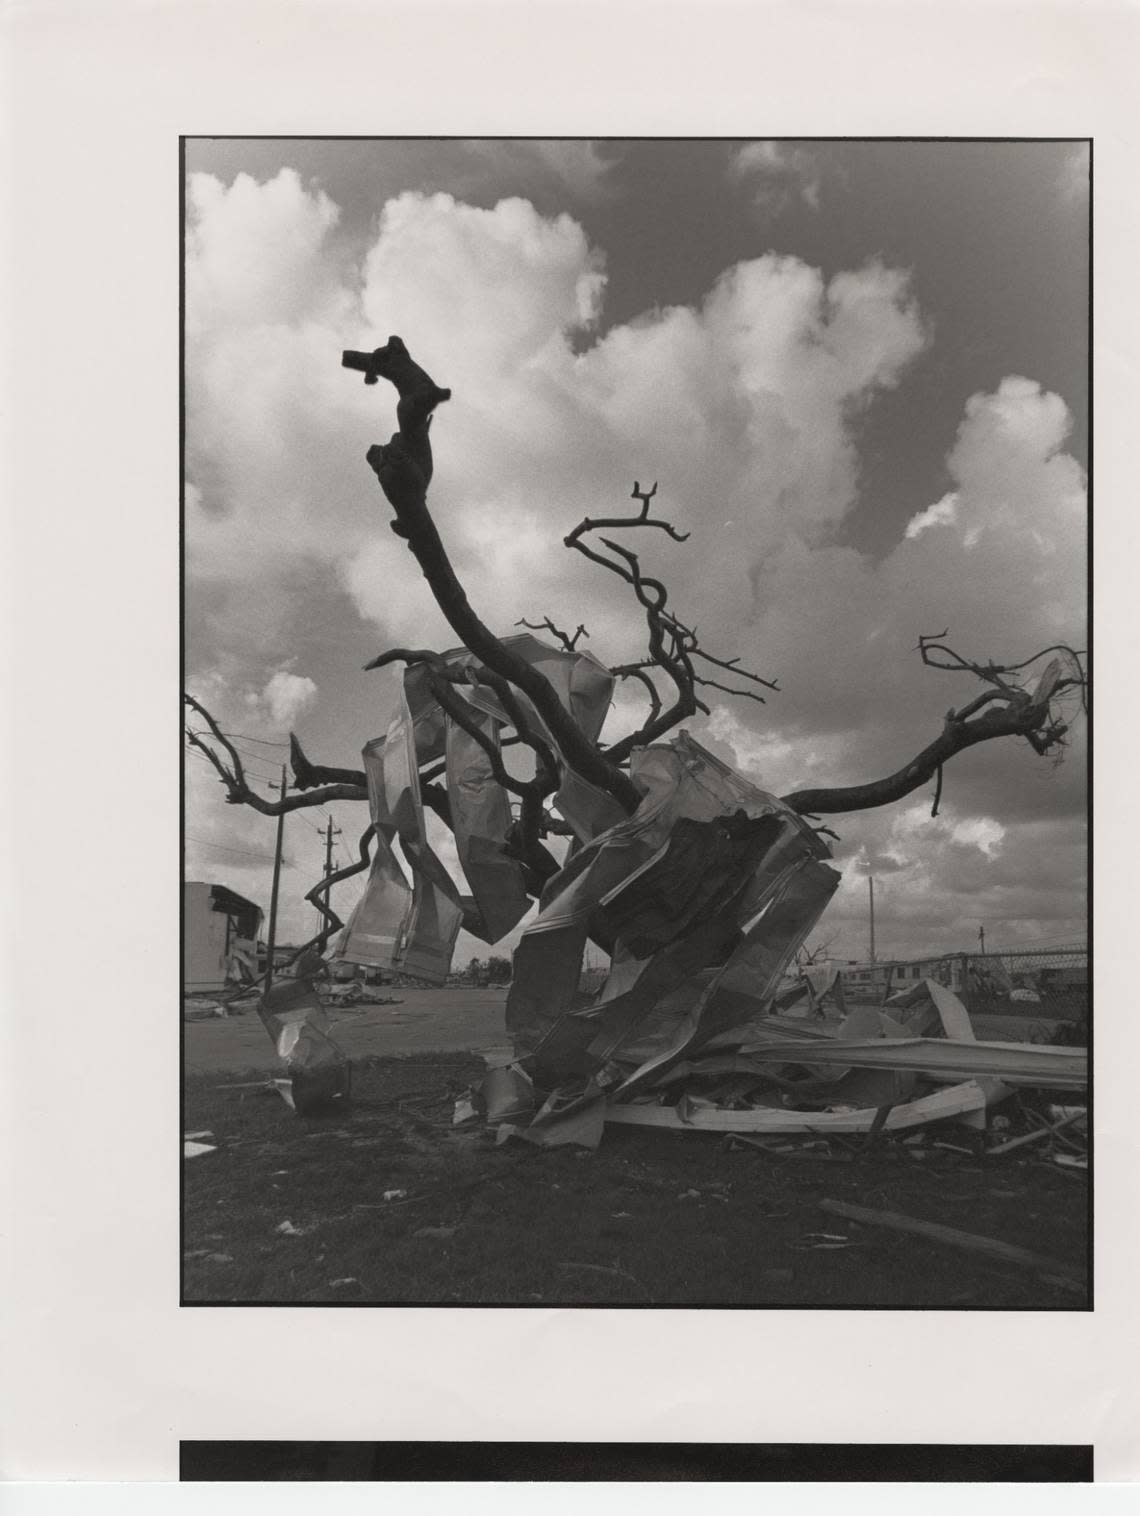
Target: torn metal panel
pixel 952 1013
pixel 931 1004
pixel 585 687
pixel 1016 1063
pixel 793 903
pixel 575 1120
pixel 587 809
pixel 392 926
pixel 319 1073
pixel 697 873
pixel 429 724
pixel 508 1094
pixel 705 858
pixel 548 959
pixel 416 930
pixel 436 916
pixel 481 819
pixel 544 982
pixel 803 995
pixel 955 1100
pixel 375 930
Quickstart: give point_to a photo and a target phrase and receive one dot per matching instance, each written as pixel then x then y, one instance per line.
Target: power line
pixel 250 778
pixel 250 756
pixel 247 755
pixel 243 852
pixel 265 741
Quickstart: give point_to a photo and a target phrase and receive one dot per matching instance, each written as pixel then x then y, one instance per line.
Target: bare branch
pixel 728 690
pixel 733 667
pixel 638 671
pixel 404 468
pixel 236 772
pixel 464 715
pixel 318 896
pixel 937 793
pixel 238 789
pixel 546 625
pixel 415 655
pixel 590 523
pixel 307 776
pixel 1003 711
pixel 672 644
pixel 523 729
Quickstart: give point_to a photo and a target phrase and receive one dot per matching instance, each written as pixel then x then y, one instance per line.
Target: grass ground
pixel 650 1218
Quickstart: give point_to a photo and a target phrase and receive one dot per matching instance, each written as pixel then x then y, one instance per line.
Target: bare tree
pixel 675 672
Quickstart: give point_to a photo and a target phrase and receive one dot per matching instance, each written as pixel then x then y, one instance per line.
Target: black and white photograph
pixel 563 851
pixel 635 722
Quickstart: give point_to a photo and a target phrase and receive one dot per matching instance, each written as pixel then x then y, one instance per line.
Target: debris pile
pixel 702 897
pixel 871 1072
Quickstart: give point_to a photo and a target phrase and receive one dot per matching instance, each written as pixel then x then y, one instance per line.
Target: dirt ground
pixel 389 1203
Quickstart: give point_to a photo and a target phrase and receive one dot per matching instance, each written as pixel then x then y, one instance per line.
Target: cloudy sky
pixel 857 371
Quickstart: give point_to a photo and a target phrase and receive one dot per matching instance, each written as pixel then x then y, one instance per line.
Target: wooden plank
pixel 1053 1269
pixel 1021 1063
pixel 953 1101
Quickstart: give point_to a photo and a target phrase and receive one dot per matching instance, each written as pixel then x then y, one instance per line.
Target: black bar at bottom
pixel 994 1463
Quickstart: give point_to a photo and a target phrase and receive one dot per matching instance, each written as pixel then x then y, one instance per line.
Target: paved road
pixel 441 1020
pixel 437 1020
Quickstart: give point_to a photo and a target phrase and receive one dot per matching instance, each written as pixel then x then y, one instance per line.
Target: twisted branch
pixel 672 644
pixel 546 625
pixel 1006 710
pixel 404 467
pixel 318 896
pixel 238 789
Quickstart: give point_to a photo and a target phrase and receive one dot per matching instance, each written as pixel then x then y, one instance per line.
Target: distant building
pixel 220 937
pixel 1010 976
pixel 865 979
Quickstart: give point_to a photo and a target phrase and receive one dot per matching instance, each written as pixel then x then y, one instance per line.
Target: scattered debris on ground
pixel 703 895
pixel 1051 1269
pixel 745 1233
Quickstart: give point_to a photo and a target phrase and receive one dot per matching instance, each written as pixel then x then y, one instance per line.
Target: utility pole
pixel 272 943
pixel 871 892
pixel 330 833
pixel 982 939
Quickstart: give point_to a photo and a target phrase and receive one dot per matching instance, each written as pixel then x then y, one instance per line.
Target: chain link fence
pixel 1046 984
pixel 1051 982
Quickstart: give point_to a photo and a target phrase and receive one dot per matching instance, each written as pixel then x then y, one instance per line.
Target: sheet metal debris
pixel 704 895
pixel 318 1072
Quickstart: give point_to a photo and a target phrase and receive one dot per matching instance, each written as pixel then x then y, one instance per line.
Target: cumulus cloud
pixel 254 252
pixel 775 173
pixel 286 695
pixel 942 513
pixel 580 168
pixel 743 405
pixel 744 399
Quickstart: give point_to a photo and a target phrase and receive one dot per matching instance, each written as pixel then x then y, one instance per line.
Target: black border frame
pixel 598 1306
